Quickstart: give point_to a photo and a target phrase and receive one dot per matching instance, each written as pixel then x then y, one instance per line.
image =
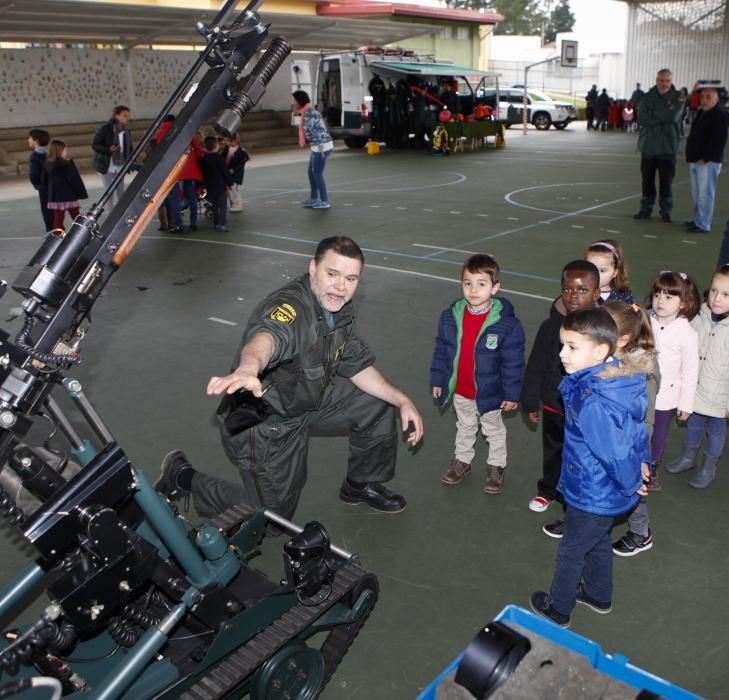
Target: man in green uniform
pixel 303 354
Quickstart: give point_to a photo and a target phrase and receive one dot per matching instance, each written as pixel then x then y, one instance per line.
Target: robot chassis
pixel 141 606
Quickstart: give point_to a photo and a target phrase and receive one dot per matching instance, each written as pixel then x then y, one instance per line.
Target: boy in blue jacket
pixel 478 361
pixel 605 444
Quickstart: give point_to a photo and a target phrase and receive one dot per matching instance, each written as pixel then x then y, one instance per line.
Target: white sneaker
pixel 539 504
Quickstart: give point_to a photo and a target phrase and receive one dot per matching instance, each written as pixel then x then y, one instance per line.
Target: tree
pixel 525 17
pixel 561 19
pixel 520 16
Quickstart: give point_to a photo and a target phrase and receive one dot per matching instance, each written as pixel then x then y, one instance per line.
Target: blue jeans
pixel 585 553
pixel 317 163
pixel 715 433
pixel 189 189
pixel 703 191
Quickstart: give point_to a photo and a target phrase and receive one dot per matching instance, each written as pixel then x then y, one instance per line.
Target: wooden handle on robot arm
pixel 150 210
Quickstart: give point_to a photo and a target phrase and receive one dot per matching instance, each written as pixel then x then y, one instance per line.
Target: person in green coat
pixel 659 119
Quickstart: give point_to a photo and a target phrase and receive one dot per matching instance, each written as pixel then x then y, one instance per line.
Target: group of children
pixel 55 176
pixel 219 167
pixel 212 177
pixel 609 376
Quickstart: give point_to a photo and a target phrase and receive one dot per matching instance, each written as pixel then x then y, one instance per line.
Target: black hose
pixel 46 358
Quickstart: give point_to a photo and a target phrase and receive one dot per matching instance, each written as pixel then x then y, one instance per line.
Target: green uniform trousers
pixel 272 456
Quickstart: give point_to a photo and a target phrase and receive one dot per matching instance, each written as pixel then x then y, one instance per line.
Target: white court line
pixel 549 221
pixel 222 320
pixel 689 242
pixel 308 255
pixel 454 212
pixel 609 230
pixel 481 214
pixel 648 235
pixel 454 250
pixel 577 226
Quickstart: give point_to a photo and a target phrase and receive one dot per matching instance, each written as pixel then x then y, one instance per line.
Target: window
pixel 462 34
pixel 446 33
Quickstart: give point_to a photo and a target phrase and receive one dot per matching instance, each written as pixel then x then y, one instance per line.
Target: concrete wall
pixel 43 87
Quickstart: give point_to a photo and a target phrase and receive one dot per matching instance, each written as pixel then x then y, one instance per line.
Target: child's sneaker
pixel 654 483
pixel 456 472
pixel 539 603
pixel 539 504
pixel 596 606
pixel 555 529
pixel 309 202
pixel 632 543
pixel 494 479
pixel 321 205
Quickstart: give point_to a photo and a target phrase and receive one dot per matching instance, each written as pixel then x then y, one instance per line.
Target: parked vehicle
pixel 542 110
pixel 339 83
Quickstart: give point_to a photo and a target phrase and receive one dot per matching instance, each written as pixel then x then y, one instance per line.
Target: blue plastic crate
pixel 614 665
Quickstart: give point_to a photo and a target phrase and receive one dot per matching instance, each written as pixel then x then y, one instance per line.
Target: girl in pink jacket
pixel 674 301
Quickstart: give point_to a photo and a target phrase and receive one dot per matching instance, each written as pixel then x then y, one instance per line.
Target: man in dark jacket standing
pixel 302 353
pixel 704 154
pixel 659 119
pixel 590 100
pixel 112 145
pixel 636 98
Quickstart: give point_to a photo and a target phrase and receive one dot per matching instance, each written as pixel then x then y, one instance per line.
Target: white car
pixel 542 110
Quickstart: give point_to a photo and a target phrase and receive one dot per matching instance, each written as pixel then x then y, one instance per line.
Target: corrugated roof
pixel 364 8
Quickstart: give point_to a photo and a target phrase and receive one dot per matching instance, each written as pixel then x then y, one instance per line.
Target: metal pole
pixel 294 529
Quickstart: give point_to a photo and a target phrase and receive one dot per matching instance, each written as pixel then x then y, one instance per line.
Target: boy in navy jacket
pixel 605 444
pixel 38 140
pixel 217 179
pixel 580 290
pixel 478 361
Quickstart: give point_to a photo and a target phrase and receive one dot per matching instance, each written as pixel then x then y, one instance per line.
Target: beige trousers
pixel 492 427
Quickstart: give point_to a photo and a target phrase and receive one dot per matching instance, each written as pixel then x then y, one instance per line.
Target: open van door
pixel 329 91
pixel 300 80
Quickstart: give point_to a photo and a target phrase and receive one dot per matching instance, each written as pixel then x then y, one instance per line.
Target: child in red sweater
pixel 478 361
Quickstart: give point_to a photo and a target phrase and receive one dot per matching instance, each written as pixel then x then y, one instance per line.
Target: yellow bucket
pixel 373 148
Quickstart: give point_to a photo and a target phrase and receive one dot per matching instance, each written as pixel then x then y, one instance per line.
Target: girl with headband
pixel 607 256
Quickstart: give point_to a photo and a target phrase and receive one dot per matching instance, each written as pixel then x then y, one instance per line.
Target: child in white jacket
pixel 711 405
pixel 674 302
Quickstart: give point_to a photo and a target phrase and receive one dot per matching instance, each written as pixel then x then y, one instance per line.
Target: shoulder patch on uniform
pixel 284 313
pixel 492 340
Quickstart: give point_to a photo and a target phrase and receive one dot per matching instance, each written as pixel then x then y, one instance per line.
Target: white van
pixel 339 83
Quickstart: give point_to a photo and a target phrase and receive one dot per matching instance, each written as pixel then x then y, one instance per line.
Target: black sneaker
pixel 596 606
pixel 666 217
pixel 539 603
pixel 166 485
pixel 555 529
pixel 632 543
pixel 374 494
pixel 642 214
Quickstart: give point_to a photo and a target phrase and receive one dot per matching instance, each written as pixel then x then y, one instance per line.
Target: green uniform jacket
pixel 307 354
pixel 659 117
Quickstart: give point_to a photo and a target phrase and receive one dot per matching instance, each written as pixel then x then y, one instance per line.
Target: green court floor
pixel 173 315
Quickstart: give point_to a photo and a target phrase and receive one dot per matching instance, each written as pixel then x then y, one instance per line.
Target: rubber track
pixel 244 661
